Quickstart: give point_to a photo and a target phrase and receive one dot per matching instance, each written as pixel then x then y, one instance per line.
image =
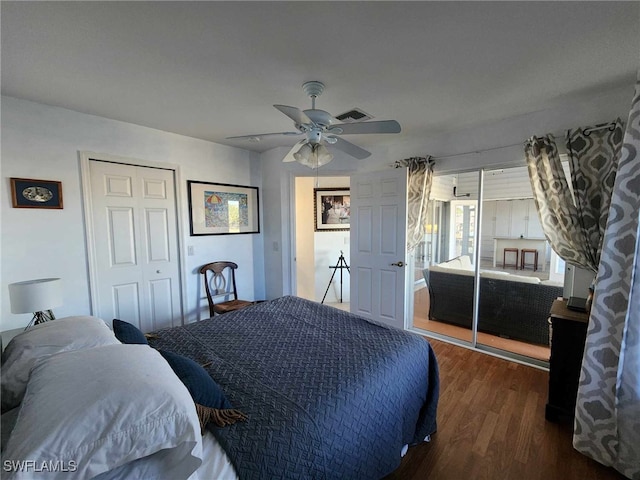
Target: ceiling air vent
pixel 354 115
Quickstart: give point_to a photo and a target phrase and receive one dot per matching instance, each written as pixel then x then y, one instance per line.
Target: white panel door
pixel 503 218
pixel 378 246
pixel 488 229
pixel 519 212
pixel 135 245
pixel 534 228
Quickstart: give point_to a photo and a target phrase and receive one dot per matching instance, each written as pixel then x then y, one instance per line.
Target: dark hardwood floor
pixel 491 425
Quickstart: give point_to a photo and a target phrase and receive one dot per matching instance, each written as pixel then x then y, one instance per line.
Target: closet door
pixel 488 230
pixel 519 213
pixel 134 242
pixel 534 228
pixel 503 218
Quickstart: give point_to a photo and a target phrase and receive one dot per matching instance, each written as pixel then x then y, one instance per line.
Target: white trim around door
pixel 90 228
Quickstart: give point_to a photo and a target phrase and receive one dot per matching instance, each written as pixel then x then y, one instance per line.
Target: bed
pixel 326 395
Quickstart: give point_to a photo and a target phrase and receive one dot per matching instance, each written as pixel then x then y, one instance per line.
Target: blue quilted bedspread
pixel 328 394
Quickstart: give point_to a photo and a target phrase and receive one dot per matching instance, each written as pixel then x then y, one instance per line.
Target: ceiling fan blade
pixel 351 149
pixel 258 136
pixel 294 114
pixel 382 126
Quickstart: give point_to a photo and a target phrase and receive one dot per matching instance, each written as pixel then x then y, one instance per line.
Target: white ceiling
pixel 214 69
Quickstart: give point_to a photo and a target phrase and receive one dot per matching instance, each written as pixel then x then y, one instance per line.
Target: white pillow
pixel 95 410
pixel 61 335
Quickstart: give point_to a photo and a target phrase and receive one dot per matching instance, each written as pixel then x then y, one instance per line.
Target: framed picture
pixel 332 208
pixel 30 193
pixel 222 209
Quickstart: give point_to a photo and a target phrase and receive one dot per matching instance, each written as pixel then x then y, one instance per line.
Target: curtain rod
pixel 586 131
pixel 611 126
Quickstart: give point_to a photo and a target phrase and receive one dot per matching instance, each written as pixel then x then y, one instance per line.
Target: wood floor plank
pixel 491 426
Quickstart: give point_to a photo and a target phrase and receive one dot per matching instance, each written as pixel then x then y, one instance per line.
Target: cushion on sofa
pixel 493 274
pixel 453 263
pixel 457 271
pixel 523 279
pixel 465 262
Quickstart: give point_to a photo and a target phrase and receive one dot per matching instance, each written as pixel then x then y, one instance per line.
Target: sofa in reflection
pixel 511 306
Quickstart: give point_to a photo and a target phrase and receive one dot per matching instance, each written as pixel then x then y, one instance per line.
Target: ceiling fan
pixel 320 128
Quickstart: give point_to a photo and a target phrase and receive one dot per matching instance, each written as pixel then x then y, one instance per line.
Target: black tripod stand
pixel 342 263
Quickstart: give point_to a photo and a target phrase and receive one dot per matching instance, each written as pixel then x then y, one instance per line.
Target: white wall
pixel 509 134
pixel 304 239
pixel 43 142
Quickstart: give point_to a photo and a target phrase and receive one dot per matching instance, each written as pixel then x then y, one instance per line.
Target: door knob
pixel 398 264
pixel 158 271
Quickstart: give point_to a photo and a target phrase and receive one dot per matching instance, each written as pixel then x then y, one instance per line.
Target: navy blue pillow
pixel 203 389
pixel 127 333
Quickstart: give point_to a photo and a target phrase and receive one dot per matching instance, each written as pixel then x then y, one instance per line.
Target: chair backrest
pixel 219 281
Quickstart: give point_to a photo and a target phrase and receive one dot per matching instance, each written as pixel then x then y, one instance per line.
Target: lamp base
pixel 41 317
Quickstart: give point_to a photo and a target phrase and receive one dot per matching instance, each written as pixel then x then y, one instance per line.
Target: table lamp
pixel 37 297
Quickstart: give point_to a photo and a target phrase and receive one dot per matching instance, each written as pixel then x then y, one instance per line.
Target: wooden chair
pixel 220 284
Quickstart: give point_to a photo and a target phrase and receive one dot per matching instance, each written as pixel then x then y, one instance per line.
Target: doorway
pixel 472 216
pixel 316 251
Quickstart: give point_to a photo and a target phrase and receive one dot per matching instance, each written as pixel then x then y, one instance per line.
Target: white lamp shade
pixel 35 295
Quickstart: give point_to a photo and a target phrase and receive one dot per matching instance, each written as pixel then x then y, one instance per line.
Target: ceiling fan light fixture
pixel 289 156
pixel 324 156
pixel 303 154
pixel 313 156
pixel 320 128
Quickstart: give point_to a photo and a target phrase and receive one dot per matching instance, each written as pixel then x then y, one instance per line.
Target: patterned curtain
pixel 419 189
pixel 555 205
pixel 593 158
pixel 607 421
pixel 574 226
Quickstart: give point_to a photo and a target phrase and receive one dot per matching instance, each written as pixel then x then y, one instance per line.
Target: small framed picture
pixel 30 193
pixel 222 209
pixel 332 208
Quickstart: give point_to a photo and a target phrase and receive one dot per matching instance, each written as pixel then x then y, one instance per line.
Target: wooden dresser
pixel 568 335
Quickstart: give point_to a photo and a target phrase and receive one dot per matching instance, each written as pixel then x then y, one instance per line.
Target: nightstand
pixel 568 336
